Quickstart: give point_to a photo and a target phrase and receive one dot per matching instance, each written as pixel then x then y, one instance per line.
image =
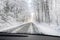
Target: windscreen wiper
pixel 13 34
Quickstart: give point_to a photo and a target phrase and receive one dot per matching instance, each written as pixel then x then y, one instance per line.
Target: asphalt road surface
pixel 25 28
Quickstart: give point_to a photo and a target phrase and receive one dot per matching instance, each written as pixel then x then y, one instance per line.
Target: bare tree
pixel 46 9
pixel 37 8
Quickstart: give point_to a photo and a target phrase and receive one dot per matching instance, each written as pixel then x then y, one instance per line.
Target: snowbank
pixel 47 29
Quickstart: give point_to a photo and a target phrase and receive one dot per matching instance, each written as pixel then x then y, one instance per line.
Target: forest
pixel 14 13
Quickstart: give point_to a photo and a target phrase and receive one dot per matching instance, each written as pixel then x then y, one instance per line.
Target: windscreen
pixel 30 16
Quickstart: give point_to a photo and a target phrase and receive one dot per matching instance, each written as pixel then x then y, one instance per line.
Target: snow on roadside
pixel 6 27
pixel 14 25
pixel 46 29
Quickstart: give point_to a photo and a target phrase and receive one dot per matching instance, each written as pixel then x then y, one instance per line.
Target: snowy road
pixel 33 28
pixel 25 28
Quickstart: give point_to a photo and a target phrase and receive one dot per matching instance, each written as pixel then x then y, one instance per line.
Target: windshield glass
pixel 30 16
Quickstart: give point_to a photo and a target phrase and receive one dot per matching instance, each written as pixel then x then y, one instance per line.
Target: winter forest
pixel 36 16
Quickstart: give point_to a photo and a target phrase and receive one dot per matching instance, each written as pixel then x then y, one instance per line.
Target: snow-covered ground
pixel 10 24
pixel 45 28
